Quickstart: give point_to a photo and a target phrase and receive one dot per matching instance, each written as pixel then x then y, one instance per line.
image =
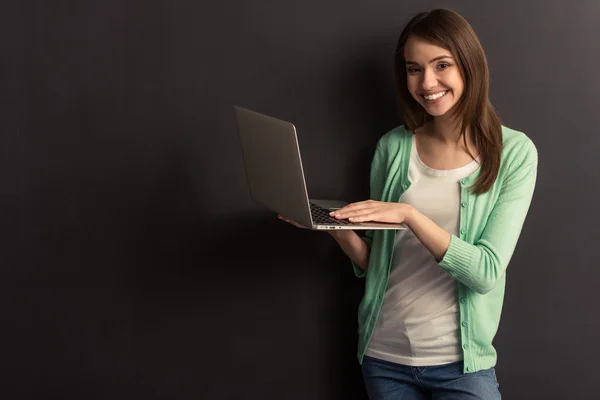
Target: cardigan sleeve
pixel 376 191
pixel 481 265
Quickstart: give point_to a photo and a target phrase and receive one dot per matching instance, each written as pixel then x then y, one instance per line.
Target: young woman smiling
pixel 463 184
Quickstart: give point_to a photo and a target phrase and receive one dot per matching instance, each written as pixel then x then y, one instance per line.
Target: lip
pixel 435 101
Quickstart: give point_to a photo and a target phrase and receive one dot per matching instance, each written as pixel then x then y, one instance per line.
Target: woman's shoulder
pixel 516 144
pixel 512 136
pixel 395 137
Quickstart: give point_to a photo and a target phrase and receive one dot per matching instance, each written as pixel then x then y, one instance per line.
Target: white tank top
pixel 418 323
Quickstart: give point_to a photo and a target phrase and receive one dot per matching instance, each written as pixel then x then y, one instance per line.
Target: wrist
pixel 340 234
pixel 410 215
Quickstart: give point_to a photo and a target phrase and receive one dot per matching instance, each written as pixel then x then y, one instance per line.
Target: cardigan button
pixel 463 181
pixel 463 204
pixel 466 346
pixel 463 231
pixel 463 300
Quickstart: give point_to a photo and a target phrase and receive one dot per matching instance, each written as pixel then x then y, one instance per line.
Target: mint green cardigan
pixel 490 225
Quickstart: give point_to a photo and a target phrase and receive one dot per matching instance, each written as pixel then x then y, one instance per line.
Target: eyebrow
pixel 430 61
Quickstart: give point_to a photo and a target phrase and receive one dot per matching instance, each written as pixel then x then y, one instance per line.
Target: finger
pixel 358 210
pixel 356 216
pixel 347 209
pixel 350 206
pixel 289 221
pixel 365 217
pixel 292 222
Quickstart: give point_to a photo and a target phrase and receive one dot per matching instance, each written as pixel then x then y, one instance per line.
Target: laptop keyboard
pixel 321 216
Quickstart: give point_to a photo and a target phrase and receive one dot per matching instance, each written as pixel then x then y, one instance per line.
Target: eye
pixel 443 65
pixel 412 70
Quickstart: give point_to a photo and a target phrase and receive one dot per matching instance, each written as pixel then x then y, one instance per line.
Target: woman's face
pixel 433 77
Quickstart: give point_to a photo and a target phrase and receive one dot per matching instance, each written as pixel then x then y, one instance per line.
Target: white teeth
pixel 435 96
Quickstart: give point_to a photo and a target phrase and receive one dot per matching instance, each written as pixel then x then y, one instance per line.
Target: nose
pixel 429 80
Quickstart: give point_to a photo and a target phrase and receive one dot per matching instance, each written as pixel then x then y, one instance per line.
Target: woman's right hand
pixel 349 241
pixel 297 225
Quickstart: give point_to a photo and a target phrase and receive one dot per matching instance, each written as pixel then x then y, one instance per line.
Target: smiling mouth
pixel 435 96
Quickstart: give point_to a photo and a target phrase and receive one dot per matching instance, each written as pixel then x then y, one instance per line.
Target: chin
pixel 438 113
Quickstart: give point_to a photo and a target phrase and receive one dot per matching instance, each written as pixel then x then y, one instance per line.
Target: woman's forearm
pixel 354 247
pixel 434 238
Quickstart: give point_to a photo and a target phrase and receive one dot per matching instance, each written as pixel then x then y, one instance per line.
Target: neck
pixel 447 132
pixel 445 129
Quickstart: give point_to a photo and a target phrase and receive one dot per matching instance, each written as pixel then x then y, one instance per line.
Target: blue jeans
pixel 385 380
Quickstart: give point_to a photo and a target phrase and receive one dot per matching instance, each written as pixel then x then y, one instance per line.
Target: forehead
pixel 420 50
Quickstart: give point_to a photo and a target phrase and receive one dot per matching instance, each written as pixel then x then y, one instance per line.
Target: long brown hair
pixel 449 30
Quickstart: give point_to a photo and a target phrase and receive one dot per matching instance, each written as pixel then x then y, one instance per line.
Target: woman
pixel 463 184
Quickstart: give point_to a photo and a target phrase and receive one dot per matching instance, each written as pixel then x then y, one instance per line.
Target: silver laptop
pixel 275 176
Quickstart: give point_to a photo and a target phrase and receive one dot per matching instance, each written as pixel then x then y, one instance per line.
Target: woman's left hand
pixel 376 211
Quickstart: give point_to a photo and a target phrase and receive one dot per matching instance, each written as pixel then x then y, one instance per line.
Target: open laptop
pixel 275 176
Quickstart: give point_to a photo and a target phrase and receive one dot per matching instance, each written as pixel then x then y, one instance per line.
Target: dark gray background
pixel 119 153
